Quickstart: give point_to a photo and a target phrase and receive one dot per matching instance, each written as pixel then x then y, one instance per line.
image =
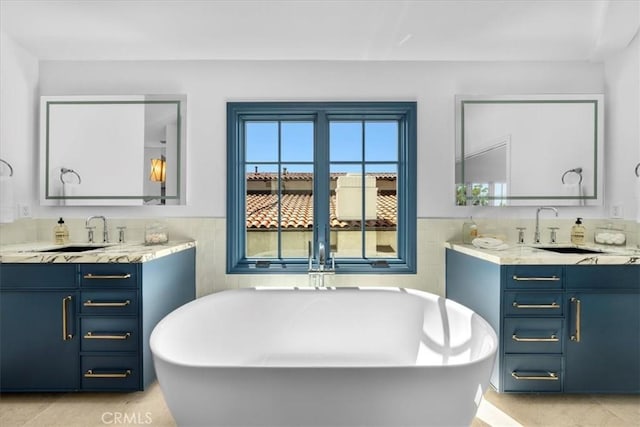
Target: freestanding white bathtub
pixel 323 357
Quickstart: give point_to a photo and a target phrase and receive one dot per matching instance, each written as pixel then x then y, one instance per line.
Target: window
pixel 341 173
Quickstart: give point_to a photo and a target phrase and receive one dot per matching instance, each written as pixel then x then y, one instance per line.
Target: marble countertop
pixel 532 255
pixel 111 253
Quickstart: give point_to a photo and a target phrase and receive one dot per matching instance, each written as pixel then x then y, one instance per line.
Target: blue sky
pixel 345 145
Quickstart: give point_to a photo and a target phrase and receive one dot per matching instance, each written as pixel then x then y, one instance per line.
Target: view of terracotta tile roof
pixel 305 176
pixel 297 212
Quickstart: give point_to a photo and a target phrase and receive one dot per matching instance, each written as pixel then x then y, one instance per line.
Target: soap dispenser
pixel 61 232
pixel 577 232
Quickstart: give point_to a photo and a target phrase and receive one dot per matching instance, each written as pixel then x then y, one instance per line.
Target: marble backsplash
pixel 210 234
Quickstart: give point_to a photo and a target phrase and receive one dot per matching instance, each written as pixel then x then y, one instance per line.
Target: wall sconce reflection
pixel 159 174
pixel 158 170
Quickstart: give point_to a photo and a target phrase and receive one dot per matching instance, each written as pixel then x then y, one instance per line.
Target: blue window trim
pixel 322 112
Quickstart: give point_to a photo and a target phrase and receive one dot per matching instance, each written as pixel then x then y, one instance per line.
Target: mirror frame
pixel 595 199
pixel 48 199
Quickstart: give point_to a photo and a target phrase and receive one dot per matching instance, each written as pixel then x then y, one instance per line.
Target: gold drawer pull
pixel 107 276
pixel 576 337
pixel 536 279
pixel 552 338
pixel 91 374
pixel 89 303
pixel 65 321
pixel 551 376
pixel 91 336
pixel 552 305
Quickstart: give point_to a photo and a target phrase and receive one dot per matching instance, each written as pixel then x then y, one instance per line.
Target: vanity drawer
pixel 526 335
pixel 108 275
pixel 603 277
pixel 35 275
pixel 533 373
pixel 110 373
pixel 109 333
pixel 533 304
pixel 534 277
pixel 109 302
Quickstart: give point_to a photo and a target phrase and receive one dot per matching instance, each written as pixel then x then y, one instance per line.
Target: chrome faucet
pixel 321 256
pixel 105 230
pixel 536 236
pixel 317 273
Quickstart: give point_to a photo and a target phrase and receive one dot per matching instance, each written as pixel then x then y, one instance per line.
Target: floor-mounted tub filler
pixel 323 357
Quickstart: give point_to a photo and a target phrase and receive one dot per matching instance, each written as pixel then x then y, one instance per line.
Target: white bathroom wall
pixel 210 84
pixel 18 118
pixel 622 85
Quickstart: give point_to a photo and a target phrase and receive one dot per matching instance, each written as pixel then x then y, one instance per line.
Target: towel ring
pixel 579 172
pixel 64 171
pixel 11 168
pixel 638 170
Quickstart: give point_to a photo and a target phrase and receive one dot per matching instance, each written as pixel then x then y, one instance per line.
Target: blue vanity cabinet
pixel 532 328
pixel 120 304
pixel 525 306
pixel 603 349
pixel 109 326
pixel 39 346
pixel 561 328
pixel 107 310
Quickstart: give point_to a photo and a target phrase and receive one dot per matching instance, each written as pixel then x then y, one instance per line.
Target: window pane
pixel 345 141
pixel 261 205
pixel 381 141
pixel 381 232
pixel 297 209
pixel 297 141
pixel 261 139
pixel 345 216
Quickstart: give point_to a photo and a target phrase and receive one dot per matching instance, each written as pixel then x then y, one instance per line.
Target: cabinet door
pixel 603 348
pixel 39 346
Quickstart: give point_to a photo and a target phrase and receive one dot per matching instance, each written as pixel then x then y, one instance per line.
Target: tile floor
pixel 149 408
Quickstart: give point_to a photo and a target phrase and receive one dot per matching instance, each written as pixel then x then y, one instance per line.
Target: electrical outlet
pixel 24 211
pixel 616 211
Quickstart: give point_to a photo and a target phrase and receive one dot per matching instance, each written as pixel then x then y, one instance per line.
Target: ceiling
pixel 465 30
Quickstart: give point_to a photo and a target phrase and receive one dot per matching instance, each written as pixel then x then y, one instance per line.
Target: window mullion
pixel 321 183
pixel 363 217
pixel 279 197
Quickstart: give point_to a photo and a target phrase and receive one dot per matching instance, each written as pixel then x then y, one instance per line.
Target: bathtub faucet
pixel 322 256
pixel 323 267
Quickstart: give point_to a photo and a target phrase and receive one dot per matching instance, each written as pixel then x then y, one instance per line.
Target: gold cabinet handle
pixel 536 279
pixel 92 336
pixel 552 305
pixel 552 338
pixel 107 276
pixel 550 376
pixel 576 337
pixel 91 374
pixel 65 302
pixel 89 303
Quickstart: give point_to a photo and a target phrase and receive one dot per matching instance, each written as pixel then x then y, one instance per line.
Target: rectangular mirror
pixel 112 150
pixel 525 150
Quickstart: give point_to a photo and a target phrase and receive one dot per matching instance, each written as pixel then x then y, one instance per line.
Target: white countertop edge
pixel 134 252
pixel 524 254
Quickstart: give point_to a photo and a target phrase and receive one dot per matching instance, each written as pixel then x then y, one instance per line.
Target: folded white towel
pixel 489 243
pixel 7 204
